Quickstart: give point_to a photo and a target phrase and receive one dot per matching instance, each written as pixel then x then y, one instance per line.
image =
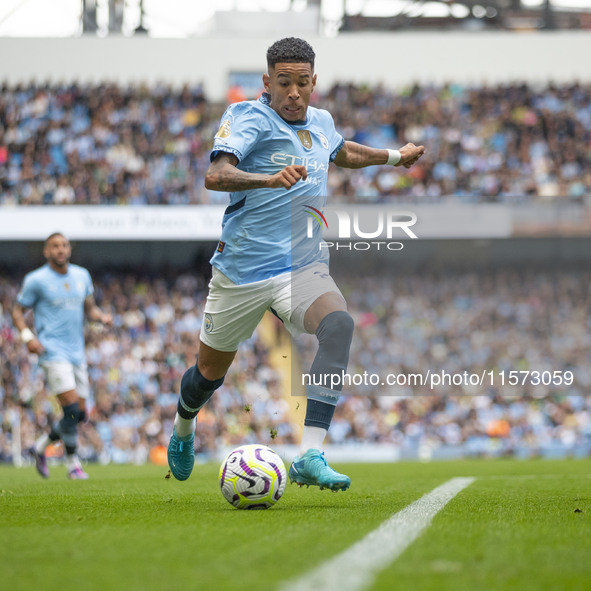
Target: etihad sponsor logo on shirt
pixel 225 130
pixel 69 303
pixel 311 164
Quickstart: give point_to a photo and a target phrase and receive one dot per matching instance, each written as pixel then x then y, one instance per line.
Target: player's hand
pixel 410 154
pixel 288 177
pixel 83 415
pixel 34 346
pixel 107 319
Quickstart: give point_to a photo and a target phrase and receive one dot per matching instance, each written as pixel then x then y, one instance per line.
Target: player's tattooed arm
pixel 95 313
pixel 222 175
pixel 354 155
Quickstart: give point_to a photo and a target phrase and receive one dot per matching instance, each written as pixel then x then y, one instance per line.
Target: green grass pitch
pixel 521 525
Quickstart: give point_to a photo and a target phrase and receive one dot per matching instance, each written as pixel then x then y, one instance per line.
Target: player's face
pixel 57 251
pixel 290 87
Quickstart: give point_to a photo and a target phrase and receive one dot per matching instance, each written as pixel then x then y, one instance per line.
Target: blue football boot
pixel 312 469
pixel 181 455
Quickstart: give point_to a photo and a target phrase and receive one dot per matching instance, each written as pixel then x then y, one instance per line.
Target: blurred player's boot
pixel 181 455
pixel 40 463
pixel 75 471
pixel 77 474
pixel 312 469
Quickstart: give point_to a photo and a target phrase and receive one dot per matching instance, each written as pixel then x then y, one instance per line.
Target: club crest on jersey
pixel 224 130
pixel 208 327
pixel 305 138
pixel 323 141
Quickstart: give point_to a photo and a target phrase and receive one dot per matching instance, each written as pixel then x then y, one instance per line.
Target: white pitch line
pixel 355 568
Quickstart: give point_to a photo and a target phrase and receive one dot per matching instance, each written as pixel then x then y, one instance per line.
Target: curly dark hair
pixel 53 236
pixel 290 50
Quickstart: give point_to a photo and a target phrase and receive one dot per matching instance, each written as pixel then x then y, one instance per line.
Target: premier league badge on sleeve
pixel 225 130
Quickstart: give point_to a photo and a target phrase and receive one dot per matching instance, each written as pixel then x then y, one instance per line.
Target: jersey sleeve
pixel 239 131
pixel 335 139
pixel 89 285
pixel 29 292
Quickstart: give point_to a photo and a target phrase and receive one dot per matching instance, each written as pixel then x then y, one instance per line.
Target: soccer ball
pixel 252 477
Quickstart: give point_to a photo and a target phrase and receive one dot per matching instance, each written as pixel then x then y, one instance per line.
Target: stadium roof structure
pixel 517 15
pixel 190 18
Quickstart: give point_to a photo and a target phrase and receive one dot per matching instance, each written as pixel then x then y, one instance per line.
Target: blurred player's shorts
pixel 63 377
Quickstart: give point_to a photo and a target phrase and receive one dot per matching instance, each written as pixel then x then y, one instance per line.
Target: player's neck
pixel 61 269
pixel 298 122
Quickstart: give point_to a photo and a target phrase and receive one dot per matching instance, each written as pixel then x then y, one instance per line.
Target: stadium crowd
pixel 135 371
pixel 502 320
pixel 510 320
pixel 107 144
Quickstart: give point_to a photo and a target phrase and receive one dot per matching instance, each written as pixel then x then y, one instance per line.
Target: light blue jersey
pixel 58 304
pixel 264 231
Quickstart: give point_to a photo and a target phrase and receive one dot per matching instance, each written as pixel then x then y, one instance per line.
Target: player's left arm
pixel 93 312
pixel 354 155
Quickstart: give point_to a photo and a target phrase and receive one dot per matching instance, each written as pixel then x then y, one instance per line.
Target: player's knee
pixel 196 390
pixel 195 384
pixel 336 329
pixel 212 366
pixel 69 421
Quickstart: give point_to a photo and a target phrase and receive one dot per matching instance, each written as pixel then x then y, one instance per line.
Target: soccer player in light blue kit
pixel 273 155
pixel 60 294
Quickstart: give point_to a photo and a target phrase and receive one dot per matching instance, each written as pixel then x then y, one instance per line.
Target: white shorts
pixel 232 311
pixel 63 377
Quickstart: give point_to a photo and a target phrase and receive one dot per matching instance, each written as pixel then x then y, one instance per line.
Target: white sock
pixel 312 438
pixel 72 462
pixel 42 443
pixel 184 427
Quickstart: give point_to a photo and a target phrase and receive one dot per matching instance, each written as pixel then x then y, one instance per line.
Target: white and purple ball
pixel 252 477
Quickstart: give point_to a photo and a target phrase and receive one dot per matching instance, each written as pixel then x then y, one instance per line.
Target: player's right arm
pixel 222 175
pixel 27 336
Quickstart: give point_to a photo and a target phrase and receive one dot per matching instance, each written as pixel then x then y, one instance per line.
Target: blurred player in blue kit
pixel 60 294
pixel 272 155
